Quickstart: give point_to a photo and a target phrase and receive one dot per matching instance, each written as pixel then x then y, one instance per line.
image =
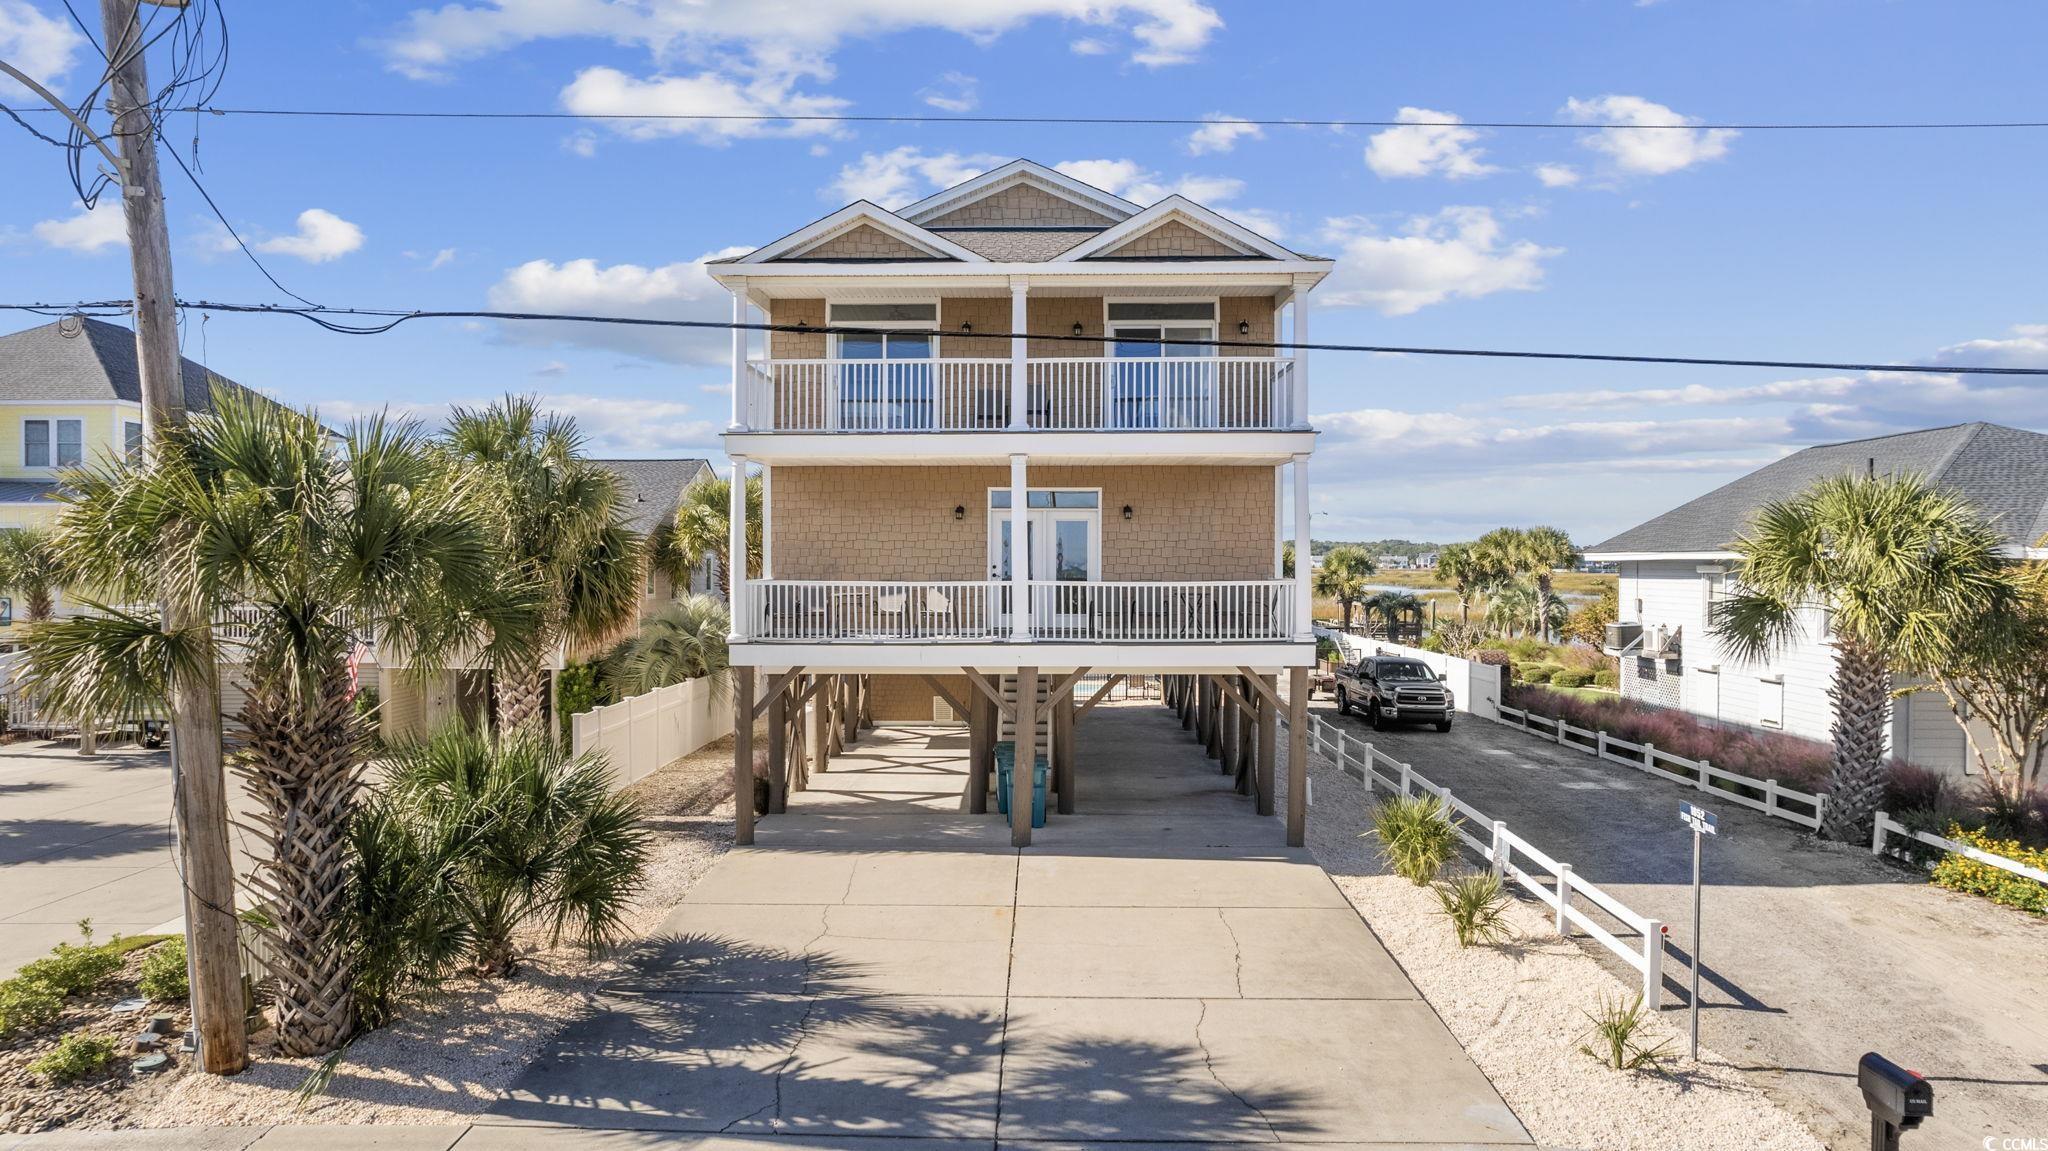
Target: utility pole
pixel 198 781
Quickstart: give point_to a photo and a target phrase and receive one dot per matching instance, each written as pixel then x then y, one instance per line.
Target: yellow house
pixel 69 393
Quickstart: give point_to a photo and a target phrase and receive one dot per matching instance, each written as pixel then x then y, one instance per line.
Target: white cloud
pixel 680 291
pixel 1139 184
pixel 322 236
pixel 1557 175
pixel 1460 252
pixel 582 144
pixel 2026 347
pixel 442 259
pixel 603 91
pixel 953 92
pixel 903 175
pixel 1428 144
pixel 1647 151
pixel 1221 134
pixel 1091 46
pixel 86 231
pixel 41 46
pixel 553 369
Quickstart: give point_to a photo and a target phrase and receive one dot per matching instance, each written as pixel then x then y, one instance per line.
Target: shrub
pixel 163 973
pixel 73 968
pixel 1477 907
pixel 26 1004
pixel 1571 677
pixel 402 907
pixel 1416 837
pixel 1961 873
pixel 578 688
pixel 514 832
pixel 1537 672
pixel 75 1057
pixel 1615 1028
pixel 1910 787
pixel 1607 677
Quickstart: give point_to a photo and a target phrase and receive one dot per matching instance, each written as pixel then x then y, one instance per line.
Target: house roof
pixel 2001 470
pixel 27 491
pixel 79 359
pixel 654 486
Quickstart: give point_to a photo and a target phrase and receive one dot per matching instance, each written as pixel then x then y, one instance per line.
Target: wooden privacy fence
pixel 1886 827
pixel 1765 795
pixel 1637 939
pixel 645 732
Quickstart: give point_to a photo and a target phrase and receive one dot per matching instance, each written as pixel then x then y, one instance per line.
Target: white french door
pixel 1063 544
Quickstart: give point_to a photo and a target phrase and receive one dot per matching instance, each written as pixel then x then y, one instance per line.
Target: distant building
pixel 1394 563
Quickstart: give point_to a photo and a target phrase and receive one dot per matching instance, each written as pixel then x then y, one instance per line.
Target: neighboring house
pixel 655 487
pixel 70 392
pixel 1674 566
pixel 904 452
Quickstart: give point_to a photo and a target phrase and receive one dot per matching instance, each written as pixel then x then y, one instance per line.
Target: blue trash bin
pixel 1038 781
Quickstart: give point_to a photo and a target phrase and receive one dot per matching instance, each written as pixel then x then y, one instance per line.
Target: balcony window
pixel 885 376
pixel 1160 379
pixel 36 449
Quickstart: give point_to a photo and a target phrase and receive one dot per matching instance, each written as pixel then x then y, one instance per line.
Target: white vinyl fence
pixel 1765 795
pixel 1887 827
pixel 1475 686
pixel 640 734
pixel 1639 942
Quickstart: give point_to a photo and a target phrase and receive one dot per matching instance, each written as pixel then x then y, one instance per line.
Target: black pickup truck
pixel 1394 689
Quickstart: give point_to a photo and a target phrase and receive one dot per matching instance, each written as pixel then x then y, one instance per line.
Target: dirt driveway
pixel 1815 953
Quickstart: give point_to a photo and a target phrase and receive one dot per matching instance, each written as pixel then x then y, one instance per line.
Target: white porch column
pixel 767 521
pixel 1302 603
pixel 1020 388
pixel 1300 356
pixel 1279 516
pixel 739 357
pixel 1020 552
pixel 736 551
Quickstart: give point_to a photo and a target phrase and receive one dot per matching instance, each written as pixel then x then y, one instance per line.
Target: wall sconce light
pixel 1244 327
pixel 966 325
pixel 1127 511
pixel 959 511
pixel 1077 327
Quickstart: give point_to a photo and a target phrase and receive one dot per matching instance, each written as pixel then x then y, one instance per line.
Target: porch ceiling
pixel 1045 449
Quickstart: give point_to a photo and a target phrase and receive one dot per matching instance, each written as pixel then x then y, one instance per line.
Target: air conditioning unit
pixel 1660 642
pixel 1621 637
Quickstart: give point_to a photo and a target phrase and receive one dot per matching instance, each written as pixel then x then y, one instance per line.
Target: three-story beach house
pixel 1021 357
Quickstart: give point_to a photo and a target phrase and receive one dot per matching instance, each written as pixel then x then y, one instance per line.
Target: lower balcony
pixel 983 612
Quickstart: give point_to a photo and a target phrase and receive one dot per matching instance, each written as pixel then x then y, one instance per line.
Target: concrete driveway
pixel 81 837
pixel 1815 953
pixel 881 964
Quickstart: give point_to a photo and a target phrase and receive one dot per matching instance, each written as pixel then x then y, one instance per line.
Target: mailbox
pixel 1898 1099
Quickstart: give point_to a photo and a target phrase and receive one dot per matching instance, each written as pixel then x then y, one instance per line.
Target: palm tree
pixel 1534 552
pixel 1342 576
pixel 300 544
pixel 1510 606
pixel 1469 570
pixel 685 640
pixel 30 568
pixel 1390 606
pixel 561 524
pixel 703 528
pixel 1890 565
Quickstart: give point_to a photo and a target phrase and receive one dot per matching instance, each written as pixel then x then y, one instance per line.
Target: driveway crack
pixel 803 1023
pixel 1236 951
pixel 1209 1061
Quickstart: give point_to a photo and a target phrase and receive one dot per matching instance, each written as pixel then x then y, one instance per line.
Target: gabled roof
pixel 2002 471
pixel 854 216
pixel 998 180
pixel 654 487
pixel 1178 208
pixel 78 359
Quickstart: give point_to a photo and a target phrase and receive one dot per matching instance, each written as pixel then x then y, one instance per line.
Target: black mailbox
pixel 1898 1099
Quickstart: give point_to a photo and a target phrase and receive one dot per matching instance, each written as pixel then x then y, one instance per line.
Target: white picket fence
pixel 1886 827
pixel 1771 797
pixel 1640 943
pixel 642 733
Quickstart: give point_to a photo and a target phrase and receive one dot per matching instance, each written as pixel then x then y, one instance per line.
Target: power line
pixel 1123 121
pixel 387 319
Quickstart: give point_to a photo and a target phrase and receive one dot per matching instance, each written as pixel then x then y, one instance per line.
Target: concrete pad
pixel 916 877
pixel 166 1139
pixel 81 840
pixel 924 1068
pixel 495 1138
pixel 147 896
pixel 1248 1070
pixel 366 1137
pixel 829 950
pixel 31 887
pixel 1081 881
pixel 756 875
pixel 848 828
pixel 1205 953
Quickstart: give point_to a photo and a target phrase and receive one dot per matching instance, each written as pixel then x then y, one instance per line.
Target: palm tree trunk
pixel 303 765
pixel 1543 604
pixel 1861 694
pixel 724 576
pixel 522 696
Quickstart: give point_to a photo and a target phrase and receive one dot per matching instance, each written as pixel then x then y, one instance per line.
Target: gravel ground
pixel 1518 1009
pixel 451 1055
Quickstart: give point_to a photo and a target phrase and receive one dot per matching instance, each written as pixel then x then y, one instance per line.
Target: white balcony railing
pixel 1241 393
pixel 825 611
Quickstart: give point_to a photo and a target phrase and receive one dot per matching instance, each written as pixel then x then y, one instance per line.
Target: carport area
pixel 883 963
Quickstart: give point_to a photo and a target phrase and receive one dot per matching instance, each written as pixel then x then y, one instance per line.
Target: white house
pixel 1674 566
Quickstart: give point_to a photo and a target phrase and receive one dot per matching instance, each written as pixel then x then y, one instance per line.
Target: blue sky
pixel 1883 247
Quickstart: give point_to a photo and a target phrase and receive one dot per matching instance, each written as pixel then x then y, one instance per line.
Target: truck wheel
pixel 1443 725
pixel 1373 717
pixel 1343 703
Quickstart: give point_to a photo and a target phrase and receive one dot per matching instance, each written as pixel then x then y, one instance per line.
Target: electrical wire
pixel 386 319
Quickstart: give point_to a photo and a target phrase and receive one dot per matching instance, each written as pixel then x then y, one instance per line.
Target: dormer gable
pixel 861 233
pixel 1020 194
pixel 1177 228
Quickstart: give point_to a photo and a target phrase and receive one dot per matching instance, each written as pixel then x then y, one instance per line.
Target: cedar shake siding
pixel 890 523
pixel 1020 206
pixel 1170 240
pixel 865 242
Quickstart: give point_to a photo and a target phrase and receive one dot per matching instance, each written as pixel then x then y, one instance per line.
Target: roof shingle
pixel 96 362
